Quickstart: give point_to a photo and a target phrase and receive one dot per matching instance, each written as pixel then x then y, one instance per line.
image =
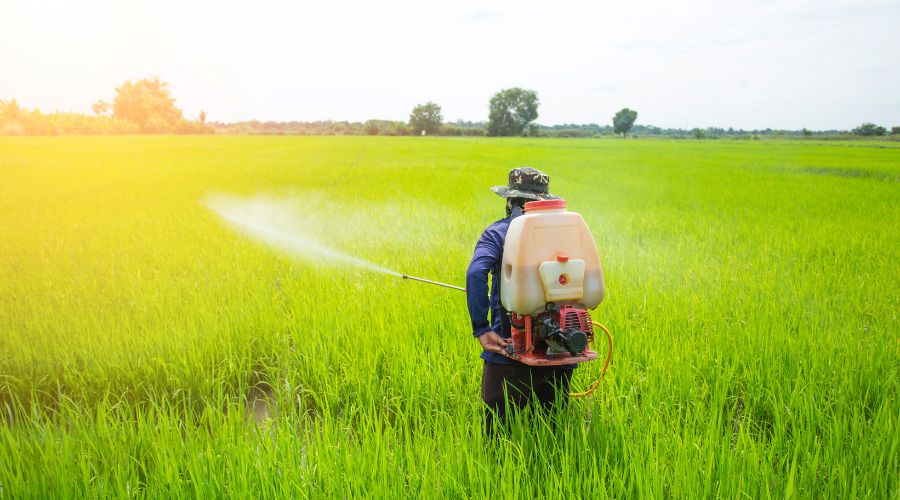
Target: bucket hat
pixel 526 182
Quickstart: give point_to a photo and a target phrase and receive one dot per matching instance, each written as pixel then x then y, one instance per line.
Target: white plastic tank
pixel 549 256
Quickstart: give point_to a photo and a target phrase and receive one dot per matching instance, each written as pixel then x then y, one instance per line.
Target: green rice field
pixel 150 349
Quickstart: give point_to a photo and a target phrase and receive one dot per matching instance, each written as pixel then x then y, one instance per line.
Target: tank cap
pixel 532 206
pixel 562 258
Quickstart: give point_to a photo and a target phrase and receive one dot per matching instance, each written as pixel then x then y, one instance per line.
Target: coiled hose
pixel 596 383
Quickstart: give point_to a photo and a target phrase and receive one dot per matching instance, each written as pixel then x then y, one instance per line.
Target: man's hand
pixel 492 342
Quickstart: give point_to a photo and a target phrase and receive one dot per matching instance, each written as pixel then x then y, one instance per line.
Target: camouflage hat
pixel 526 182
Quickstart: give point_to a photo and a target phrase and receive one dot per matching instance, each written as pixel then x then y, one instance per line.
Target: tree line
pixel 147 107
pixel 568 130
pixel 140 107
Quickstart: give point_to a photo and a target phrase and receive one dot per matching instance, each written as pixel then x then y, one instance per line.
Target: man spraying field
pixel 531 350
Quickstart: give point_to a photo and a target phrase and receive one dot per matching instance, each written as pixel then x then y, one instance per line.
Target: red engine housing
pixel 537 340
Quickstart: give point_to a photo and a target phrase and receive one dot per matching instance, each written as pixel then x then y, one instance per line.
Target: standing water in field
pixel 274 223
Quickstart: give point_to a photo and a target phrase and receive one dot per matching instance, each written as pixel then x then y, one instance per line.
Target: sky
pixel 823 64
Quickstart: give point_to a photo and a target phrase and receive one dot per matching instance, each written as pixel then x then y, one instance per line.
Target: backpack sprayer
pixel 550 278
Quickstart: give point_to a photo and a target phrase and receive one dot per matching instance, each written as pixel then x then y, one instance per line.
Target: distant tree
pixel 148 104
pixel 805 132
pixel 511 111
pixel 100 107
pixel 202 117
pixel 397 128
pixel 868 129
pixel 13 119
pixel 10 111
pixel 425 118
pixel 624 120
pixel 372 127
pixel 895 130
pixel 699 133
pixel 379 127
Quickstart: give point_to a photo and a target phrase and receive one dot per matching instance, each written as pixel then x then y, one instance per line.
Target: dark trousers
pixel 506 388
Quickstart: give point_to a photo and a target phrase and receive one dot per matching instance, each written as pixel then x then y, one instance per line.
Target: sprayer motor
pixel 561 334
pixel 566 329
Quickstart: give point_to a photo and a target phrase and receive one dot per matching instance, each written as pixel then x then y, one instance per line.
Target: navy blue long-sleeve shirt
pixel 487 260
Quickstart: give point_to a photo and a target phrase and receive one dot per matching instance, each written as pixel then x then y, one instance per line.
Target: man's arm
pixel 486 257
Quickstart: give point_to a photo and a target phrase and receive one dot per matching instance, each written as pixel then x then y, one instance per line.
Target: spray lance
pixel 431 282
pixel 548 289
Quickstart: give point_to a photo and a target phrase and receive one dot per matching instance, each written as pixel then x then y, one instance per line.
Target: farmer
pixel 506 383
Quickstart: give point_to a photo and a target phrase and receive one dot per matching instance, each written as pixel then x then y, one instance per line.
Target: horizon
pixel 814 65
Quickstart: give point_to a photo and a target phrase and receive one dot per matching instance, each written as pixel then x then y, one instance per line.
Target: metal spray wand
pixel 423 280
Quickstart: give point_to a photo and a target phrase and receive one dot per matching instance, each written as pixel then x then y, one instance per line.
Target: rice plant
pixel 148 348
